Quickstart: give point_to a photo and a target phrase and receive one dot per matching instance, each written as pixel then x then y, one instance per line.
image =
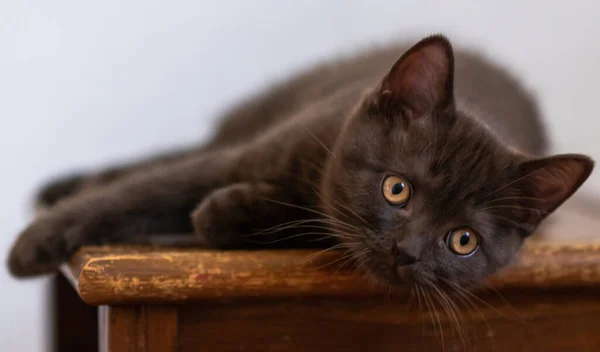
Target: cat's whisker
pixel 358 216
pixel 415 290
pixel 291 227
pixel 337 246
pixel 325 235
pixel 328 236
pixel 513 182
pixel 318 192
pixel 456 145
pixel 350 259
pixel 517 198
pixel 365 273
pixel 294 226
pixel 299 207
pixel 453 312
pixel 283 226
pixel 437 317
pixel 362 263
pixel 355 259
pixel 318 140
pixel 468 302
pixel 339 204
pixel 510 306
pixel 303 208
pixel 474 305
pixel 511 222
pixel 518 207
pixel 442 302
pixel 430 311
pixel 350 210
pixel 334 221
pixel 479 299
pixel 410 294
pixel 442 154
pixel 345 255
pixel 426 305
pixel 357 255
pixel 313 164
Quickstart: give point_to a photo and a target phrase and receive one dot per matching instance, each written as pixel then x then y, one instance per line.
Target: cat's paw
pixel 227 213
pixel 235 217
pixel 42 247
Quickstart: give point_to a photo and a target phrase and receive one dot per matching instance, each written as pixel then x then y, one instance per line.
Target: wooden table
pixel 160 299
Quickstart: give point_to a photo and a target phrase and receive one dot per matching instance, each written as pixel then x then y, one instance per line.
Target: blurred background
pixel 84 84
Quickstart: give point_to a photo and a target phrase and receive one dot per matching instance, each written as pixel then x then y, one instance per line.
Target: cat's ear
pixel 422 79
pixel 546 183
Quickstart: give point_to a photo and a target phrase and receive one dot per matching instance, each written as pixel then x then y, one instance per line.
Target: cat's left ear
pixel 422 80
pixel 546 183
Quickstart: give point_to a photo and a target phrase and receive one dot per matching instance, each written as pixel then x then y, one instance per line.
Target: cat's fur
pixel 310 155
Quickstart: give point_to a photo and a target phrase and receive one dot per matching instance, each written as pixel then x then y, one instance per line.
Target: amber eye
pixel 396 190
pixel 463 241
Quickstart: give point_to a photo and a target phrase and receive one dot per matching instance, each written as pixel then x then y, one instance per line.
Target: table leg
pixel 142 328
pixel 74 322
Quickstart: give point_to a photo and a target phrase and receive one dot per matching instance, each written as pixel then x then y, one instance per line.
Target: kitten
pixel 424 171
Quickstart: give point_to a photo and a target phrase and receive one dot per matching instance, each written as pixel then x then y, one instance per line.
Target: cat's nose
pixel 402 257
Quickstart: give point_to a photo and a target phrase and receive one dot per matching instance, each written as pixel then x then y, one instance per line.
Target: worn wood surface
pixel 122 274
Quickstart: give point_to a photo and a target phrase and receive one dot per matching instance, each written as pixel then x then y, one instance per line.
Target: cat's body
pixel 282 157
pixel 499 100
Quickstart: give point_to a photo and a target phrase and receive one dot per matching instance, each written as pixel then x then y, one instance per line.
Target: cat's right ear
pixel 544 184
pixel 421 81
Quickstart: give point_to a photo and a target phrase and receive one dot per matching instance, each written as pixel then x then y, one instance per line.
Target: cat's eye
pixel 463 241
pixel 396 190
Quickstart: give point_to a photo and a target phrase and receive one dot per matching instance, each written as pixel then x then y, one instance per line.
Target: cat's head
pixel 428 193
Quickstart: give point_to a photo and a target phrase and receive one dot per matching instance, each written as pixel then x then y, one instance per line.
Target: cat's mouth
pixel 404 272
pixel 386 271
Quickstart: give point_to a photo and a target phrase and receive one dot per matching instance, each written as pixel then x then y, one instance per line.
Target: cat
pixel 427 168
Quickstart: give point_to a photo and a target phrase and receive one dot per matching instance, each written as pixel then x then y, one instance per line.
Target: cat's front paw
pixel 42 247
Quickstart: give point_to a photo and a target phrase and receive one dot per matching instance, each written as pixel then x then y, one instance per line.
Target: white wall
pixel 86 83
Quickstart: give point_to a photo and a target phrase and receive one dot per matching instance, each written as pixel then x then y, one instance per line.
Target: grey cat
pixel 428 169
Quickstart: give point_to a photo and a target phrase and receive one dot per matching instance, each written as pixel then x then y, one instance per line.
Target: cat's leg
pixel 155 202
pixel 245 215
pixel 70 185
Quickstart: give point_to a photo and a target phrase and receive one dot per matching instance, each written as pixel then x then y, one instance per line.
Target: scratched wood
pixel 558 257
